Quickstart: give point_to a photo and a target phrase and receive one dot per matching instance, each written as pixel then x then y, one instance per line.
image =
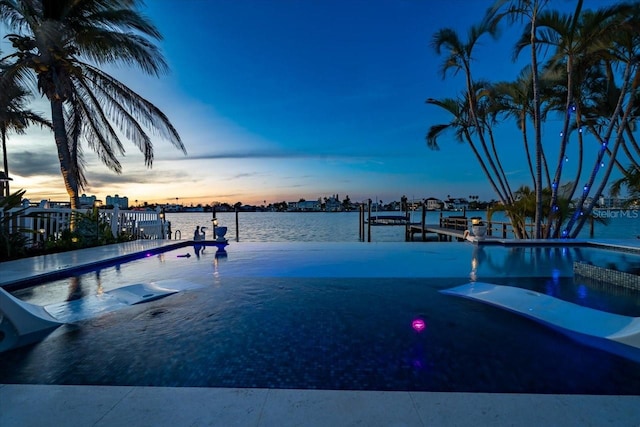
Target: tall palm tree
pixel 63 42
pixel 528 11
pixel 580 40
pixel 462 127
pixel 14 116
pixel 626 51
pixel 458 58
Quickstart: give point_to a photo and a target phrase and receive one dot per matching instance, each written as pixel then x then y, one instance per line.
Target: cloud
pixel 29 163
pixel 243 175
pixel 137 177
pixel 283 154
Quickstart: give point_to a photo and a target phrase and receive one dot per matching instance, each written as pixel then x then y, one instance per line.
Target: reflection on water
pixel 197 248
pixel 529 261
pixel 553 268
pixel 75 289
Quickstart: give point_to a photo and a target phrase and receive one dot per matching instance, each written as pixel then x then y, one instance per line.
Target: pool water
pixel 249 327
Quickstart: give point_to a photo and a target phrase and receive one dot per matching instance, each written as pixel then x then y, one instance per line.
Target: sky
pixel 278 100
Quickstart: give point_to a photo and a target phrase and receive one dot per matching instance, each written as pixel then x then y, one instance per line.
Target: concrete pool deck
pixel 46 405
pixel 71 406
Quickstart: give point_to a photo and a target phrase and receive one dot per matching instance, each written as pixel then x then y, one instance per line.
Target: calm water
pixel 343 226
pixel 285 316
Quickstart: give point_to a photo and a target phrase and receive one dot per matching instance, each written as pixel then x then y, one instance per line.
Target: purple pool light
pixel 418 325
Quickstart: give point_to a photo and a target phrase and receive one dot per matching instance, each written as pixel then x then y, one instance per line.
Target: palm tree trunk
pixel 483 165
pixel 499 163
pixel 581 214
pixel 555 186
pixel 5 162
pixel 471 95
pixel 574 187
pixel 617 163
pixel 67 167
pixel 627 152
pixel 525 140
pixel 633 142
pixel 537 128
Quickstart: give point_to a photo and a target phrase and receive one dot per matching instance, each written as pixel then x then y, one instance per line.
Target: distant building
pixel 456 204
pixel 332 204
pixel 610 202
pixel 121 202
pixel 193 209
pixel 434 204
pixel 172 207
pixel 86 202
pixel 309 206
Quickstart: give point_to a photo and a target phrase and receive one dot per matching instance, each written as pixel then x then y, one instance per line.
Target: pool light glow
pixel 418 325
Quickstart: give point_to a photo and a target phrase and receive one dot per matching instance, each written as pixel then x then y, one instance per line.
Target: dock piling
pixel 369 222
pixel 237 228
pixel 423 221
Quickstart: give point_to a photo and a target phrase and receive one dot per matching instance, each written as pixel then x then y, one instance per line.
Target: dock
pixel 448 229
pixel 441 234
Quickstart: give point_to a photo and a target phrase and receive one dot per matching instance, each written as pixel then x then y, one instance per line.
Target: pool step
pixel 22 323
pixel 607 331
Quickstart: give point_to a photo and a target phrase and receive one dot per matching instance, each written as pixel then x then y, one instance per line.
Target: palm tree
pixel 626 51
pixel 14 116
pixel 512 99
pixel 462 127
pixel 458 58
pixel 580 40
pixel 527 10
pixel 63 42
pixel 630 180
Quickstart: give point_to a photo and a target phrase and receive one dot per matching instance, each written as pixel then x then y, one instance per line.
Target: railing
pixel 40 223
pixel 502 229
pixel 454 222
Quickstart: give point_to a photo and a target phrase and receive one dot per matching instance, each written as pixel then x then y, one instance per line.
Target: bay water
pixel 344 226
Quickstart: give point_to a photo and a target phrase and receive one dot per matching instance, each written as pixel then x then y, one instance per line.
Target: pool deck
pixel 71 406
pixel 51 405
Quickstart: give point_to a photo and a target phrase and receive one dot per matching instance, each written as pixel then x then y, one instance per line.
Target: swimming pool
pixel 331 316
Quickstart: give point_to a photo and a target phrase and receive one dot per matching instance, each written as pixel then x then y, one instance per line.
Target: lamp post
pixel 97 221
pixel 161 215
pixel 214 220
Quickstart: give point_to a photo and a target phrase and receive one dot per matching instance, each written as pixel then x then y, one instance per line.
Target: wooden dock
pixel 448 229
pixel 452 228
pixel 442 234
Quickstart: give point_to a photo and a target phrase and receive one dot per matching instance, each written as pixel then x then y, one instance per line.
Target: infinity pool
pixel 331 316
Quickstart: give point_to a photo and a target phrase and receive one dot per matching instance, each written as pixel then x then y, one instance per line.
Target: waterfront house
pixel 308 206
pixel 434 204
pixel 121 202
pixel 456 204
pixel 332 204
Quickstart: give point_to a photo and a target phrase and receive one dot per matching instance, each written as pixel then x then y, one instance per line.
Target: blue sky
pixel 281 100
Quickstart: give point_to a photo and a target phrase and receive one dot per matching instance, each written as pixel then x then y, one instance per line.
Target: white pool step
pixel 608 331
pixel 22 323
